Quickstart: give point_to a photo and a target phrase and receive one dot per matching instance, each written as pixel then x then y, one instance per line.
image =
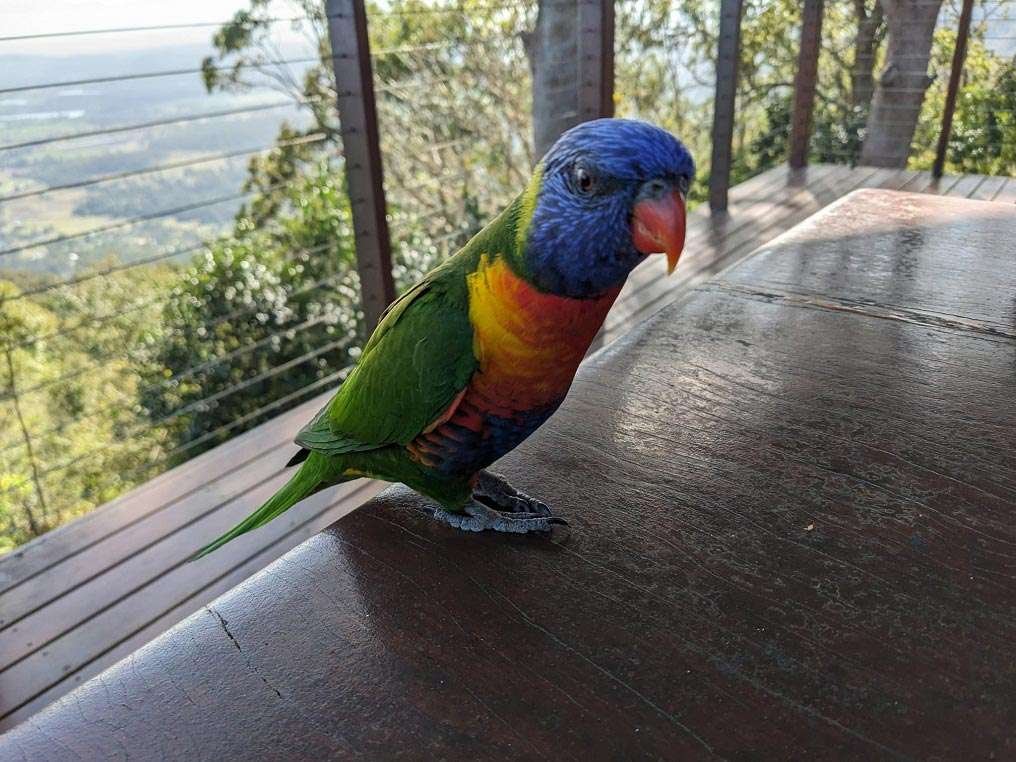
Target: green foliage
pixel 769 147
pixel 74 390
pixel 261 313
pixel 984 129
pixel 983 139
pixel 453 117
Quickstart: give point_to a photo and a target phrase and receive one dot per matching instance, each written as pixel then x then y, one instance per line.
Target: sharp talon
pixel 557 520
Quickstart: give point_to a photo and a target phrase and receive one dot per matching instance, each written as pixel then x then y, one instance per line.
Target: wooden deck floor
pixel 84 596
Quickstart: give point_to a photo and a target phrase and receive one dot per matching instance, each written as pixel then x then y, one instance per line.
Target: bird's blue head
pixel 608 193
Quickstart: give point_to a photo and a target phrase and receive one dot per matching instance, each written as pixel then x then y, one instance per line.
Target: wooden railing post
pixel 727 55
pixel 959 55
pixel 354 88
pixel 596 59
pixel 805 81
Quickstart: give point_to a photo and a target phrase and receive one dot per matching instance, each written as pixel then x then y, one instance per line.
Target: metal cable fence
pixel 666 66
pixel 166 277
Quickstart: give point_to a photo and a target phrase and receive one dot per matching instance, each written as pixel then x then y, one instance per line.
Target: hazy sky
pixel 19 17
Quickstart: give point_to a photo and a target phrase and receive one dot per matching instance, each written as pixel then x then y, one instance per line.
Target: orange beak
pixel 658 226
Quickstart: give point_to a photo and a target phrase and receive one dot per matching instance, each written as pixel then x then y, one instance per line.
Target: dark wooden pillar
pixel 804 82
pixel 596 59
pixel 959 55
pixel 354 87
pixel 727 55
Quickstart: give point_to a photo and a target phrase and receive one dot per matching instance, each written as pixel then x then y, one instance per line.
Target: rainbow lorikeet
pixel 476 356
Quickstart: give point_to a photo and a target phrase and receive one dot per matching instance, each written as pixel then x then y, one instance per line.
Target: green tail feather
pixel 304 483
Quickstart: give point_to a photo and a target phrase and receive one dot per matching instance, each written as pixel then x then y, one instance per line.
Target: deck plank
pixel 745 216
pixel 701 222
pixel 648 283
pixel 987 190
pixel 921 183
pixel 77 571
pixel 161 591
pixel 65 541
pixel 966 186
pixel 75 590
pixel 941 186
pixel 1007 193
pixel 777 216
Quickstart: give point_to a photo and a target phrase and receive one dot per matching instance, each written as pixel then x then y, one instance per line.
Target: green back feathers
pixel 421 354
pixel 418 360
pixel 524 207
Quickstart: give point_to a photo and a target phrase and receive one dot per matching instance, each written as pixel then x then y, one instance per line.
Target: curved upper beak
pixel 659 221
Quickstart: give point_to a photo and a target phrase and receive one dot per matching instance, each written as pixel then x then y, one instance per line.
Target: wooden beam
pixel 959 55
pixel 727 55
pixel 354 88
pixel 596 59
pixel 805 81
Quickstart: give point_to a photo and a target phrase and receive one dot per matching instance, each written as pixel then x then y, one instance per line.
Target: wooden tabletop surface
pixel 792 497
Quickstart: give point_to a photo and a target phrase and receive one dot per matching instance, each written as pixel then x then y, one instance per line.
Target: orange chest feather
pixel 528 344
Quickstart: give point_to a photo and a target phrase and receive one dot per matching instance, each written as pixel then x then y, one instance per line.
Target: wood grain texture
pixel 352 66
pixel 791 496
pixel 755 217
pixel 987 190
pixel 728 54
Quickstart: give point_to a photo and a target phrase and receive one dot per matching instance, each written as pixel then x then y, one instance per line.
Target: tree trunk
pixel 862 73
pixel 552 48
pixel 901 87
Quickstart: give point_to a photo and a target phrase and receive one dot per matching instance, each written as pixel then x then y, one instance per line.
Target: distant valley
pixel 40 114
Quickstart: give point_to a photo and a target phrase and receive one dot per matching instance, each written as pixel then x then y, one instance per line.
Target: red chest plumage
pixel 528 346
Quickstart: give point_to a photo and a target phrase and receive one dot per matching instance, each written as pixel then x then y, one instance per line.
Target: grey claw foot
pixel 494 490
pixel 479 517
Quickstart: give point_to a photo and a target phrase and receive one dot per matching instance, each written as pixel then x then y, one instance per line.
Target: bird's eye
pixel 585 182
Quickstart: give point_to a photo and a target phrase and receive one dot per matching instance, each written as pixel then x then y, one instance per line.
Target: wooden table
pixel 792 497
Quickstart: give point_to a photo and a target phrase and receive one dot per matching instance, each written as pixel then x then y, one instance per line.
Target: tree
pixel 552 48
pixel 70 434
pixel 983 138
pixel 900 90
pixel 244 60
pixel 870 31
pixel 450 114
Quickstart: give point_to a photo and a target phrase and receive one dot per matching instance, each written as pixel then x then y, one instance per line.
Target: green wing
pixel 417 360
